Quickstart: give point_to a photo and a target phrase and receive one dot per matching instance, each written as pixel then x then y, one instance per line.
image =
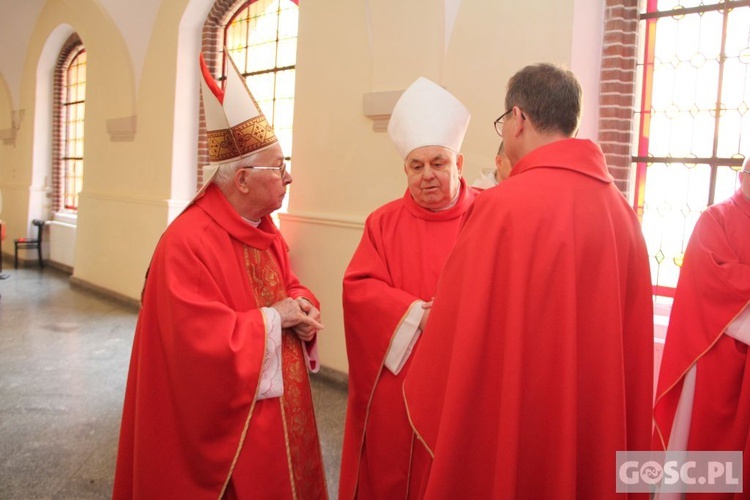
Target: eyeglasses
pixel 281 169
pixel 745 172
pixel 499 123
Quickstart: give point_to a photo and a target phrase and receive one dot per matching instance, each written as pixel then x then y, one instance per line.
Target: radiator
pixel 62 243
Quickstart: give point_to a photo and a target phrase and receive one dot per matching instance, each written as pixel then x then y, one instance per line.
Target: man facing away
pixel 703 394
pixel 389 285
pixel 218 401
pixel 535 367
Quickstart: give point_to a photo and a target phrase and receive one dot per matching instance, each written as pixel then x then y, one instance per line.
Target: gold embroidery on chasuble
pixel 303 446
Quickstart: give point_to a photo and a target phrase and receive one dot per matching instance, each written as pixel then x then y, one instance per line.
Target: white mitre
pixel 427 115
pixel 235 125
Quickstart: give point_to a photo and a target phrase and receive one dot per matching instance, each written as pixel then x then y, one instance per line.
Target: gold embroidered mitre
pixel 235 125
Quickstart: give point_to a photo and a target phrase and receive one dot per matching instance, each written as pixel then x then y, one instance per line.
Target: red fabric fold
pixel 713 289
pixel 397 262
pixel 196 361
pixel 536 363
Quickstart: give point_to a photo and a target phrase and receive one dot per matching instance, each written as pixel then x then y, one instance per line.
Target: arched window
pixel 68 143
pixel 261 37
pixel 262 40
pixel 691 126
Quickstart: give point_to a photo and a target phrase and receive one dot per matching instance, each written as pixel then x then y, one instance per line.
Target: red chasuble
pixel 398 261
pixel 713 289
pixel 191 425
pixel 536 363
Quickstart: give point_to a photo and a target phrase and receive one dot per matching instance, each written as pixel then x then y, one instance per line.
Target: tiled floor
pixel 64 355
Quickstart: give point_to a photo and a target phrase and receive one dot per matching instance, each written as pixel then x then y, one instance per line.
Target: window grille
pixel 262 40
pixel 692 126
pixel 73 111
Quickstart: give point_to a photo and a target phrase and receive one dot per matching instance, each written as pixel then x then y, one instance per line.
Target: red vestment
pixel 191 425
pixel 535 366
pixel 398 261
pixel 713 289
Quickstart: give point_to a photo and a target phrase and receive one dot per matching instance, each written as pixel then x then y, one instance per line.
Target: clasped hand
pixel 300 316
pixel 427 306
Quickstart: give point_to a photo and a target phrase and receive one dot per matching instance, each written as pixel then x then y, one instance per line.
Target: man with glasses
pixel 703 395
pixel 389 284
pixel 536 365
pixel 218 401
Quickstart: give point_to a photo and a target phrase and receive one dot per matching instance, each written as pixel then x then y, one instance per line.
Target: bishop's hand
pixel 300 316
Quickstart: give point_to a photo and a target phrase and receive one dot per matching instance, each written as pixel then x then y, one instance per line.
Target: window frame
pixel 66 123
pixel 641 158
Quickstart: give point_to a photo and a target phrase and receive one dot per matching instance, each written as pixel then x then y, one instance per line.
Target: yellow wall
pixel 342 169
pixel 6 152
pixel 126 201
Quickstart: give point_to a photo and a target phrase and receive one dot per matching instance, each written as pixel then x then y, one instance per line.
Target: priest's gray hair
pixel 226 171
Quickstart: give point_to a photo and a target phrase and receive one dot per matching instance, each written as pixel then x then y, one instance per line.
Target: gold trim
pixel 253 134
pixel 243 435
pixel 221 147
pixel 372 395
pixel 682 376
pixel 413 427
pixel 290 466
pixel 305 472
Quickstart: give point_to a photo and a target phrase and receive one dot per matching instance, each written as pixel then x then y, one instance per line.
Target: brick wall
pixel 212 39
pixel 617 87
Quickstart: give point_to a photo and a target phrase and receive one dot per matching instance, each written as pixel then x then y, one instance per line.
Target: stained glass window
pixel 692 126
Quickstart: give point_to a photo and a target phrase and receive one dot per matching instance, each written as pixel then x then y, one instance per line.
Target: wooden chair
pixel 30 243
